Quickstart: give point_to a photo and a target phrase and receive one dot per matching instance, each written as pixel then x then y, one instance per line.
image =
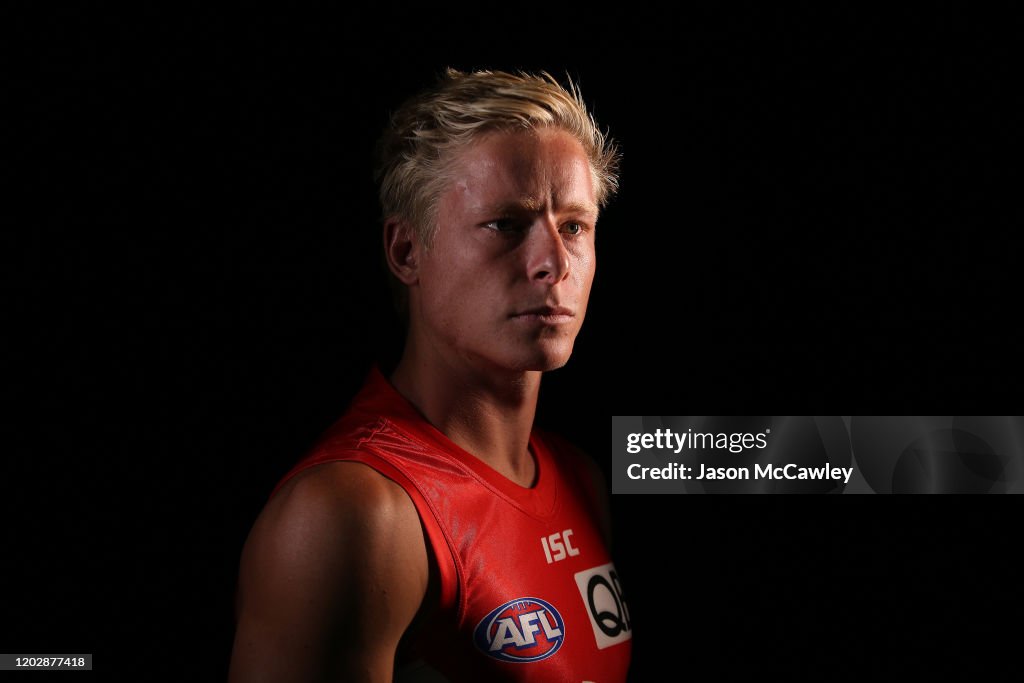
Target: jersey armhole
pixel 439 547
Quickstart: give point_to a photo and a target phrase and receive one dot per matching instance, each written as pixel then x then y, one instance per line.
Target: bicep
pixel 331 576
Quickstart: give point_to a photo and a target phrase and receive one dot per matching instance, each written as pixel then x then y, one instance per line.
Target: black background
pixel 809 222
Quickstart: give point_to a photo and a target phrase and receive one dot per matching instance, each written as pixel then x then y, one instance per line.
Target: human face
pixel 506 279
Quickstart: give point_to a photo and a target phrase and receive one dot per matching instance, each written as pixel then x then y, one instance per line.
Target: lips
pixel 550 315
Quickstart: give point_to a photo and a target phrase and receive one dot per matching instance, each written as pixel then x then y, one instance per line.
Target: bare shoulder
pixel 335 493
pixel 334 513
pixel 332 573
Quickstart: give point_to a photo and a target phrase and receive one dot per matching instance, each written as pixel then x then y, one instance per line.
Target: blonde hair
pixel 415 152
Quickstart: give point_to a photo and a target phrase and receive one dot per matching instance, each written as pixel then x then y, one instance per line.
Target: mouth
pixel 546 315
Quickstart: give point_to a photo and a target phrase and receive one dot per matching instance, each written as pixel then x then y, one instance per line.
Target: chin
pixel 535 355
pixel 554 365
pixel 552 358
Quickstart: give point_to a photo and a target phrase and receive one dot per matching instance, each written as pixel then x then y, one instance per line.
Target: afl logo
pixel 521 630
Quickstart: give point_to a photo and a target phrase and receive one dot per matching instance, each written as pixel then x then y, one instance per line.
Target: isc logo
pixel 521 630
pixel 558 546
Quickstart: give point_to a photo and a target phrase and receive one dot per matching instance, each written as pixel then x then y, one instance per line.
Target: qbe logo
pixel 609 615
pixel 521 630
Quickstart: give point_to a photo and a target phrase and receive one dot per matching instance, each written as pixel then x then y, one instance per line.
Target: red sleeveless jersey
pixel 528 591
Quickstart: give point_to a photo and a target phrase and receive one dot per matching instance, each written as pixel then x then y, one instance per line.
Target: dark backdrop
pixel 808 223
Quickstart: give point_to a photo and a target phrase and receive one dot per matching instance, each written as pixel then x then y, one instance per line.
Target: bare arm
pixel 332 574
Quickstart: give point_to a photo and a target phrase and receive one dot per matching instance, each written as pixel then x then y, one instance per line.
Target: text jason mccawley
pixel 665 439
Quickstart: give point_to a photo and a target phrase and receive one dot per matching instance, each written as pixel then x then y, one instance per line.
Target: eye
pixel 501 225
pixel 573 228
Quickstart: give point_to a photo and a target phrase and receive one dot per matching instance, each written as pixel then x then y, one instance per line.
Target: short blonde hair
pixel 415 151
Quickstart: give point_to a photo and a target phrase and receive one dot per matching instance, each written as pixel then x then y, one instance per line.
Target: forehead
pixel 545 167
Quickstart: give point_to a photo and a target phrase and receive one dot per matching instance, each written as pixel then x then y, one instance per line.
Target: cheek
pixel 586 266
pixel 454 290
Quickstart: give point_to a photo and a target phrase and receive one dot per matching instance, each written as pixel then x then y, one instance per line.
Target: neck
pixel 485 412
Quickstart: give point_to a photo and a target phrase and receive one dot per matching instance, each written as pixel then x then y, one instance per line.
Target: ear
pixel 401 250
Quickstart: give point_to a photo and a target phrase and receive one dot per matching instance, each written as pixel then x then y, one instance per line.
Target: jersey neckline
pixel 380 394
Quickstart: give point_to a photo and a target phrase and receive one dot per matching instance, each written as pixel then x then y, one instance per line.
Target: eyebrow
pixel 533 205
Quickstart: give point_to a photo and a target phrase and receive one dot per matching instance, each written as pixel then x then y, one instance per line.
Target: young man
pixel 432 533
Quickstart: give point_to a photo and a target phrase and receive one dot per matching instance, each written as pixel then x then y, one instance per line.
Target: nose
pixel 547 258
